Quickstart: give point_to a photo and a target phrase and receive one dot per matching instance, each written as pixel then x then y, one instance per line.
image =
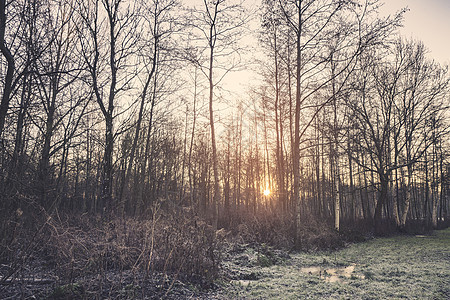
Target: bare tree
pixel 315 24
pixel 107 39
pixel 10 70
pixel 219 25
pixel 396 96
pixel 157 26
pixel 56 71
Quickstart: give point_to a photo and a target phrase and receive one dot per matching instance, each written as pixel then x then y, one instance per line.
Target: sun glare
pixel 266 192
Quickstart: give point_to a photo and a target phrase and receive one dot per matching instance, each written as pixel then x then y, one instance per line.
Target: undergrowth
pixel 103 255
pixel 170 253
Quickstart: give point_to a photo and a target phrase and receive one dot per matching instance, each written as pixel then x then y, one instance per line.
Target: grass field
pixel 402 267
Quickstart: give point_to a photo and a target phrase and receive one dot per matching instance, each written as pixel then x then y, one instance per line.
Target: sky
pixel 428 21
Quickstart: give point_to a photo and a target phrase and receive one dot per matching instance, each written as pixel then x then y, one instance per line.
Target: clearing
pixel 412 267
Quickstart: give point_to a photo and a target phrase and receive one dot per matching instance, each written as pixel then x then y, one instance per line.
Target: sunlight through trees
pixel 110 107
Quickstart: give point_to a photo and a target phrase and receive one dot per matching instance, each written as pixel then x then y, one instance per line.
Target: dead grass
pixel 103 255
pixel 277 230
pixel 167 253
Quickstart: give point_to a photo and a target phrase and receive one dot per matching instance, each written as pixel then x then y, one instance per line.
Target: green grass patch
pixel 412 267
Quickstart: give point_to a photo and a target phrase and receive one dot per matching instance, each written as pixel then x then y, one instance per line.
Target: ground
pixel 411 267
pixel 408 266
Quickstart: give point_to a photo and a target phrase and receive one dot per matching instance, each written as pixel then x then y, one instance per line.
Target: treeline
pixel 111 106
pixel 366 110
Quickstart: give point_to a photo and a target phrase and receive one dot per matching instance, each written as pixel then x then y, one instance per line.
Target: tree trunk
pixel 352 188
pixel 213 139
pixel 45 156
pixel 7 88
pixel 337 202
pixel 296 146
pixel 436 188
pixel 106 195
pixel 407 203
pixel 128 168
pixel 382 199
pixel 16 166
pixel 191 144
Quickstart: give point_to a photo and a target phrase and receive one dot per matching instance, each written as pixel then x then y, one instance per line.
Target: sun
pixel 266 192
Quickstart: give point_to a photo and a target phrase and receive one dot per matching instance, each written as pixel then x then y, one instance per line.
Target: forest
pixel 127 159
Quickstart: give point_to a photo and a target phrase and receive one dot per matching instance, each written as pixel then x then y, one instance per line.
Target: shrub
pixel 176 245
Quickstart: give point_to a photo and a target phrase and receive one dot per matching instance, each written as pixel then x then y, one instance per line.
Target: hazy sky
pixel 428 21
